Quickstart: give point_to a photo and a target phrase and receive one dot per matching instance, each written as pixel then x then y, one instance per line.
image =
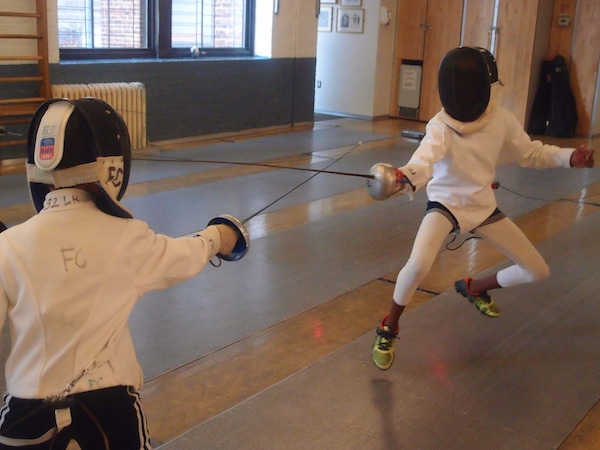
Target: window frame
pixel 159 40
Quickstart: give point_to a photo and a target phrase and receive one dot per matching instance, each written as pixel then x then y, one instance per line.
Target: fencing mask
pixel 464 82
pixel 80 141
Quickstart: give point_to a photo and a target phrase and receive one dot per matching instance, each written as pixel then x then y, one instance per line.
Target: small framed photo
pixel 350 20
pixel 325 19
pixel 329 2
pixel 349 2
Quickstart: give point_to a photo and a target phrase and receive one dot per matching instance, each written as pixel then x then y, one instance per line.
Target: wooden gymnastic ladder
pixel 19 109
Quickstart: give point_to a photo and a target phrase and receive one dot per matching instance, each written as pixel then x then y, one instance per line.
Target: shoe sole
pixel 484 312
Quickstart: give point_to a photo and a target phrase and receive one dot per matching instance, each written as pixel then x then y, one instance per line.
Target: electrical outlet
pixel 564 20
pixel 318 84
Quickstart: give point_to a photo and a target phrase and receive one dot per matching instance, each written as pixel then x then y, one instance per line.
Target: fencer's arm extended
pixel 388 180
pixel 533 154
pixel 432 149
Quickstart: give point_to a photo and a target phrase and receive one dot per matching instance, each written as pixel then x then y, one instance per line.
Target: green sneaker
pixel 383 348
pixel 483 301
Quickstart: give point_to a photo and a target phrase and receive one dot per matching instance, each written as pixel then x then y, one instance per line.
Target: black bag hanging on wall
pixel 554 112
pixel 563 113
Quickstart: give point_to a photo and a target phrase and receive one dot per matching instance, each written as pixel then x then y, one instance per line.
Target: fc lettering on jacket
pixel 73 258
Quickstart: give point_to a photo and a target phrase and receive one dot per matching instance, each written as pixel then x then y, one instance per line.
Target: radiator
pixel 129 99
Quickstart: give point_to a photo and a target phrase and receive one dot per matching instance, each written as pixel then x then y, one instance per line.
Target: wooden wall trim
pixel 561 37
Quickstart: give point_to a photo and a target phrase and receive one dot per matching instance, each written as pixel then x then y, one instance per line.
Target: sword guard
pixel 243 242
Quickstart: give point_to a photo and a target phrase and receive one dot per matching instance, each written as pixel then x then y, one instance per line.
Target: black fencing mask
pixel 464 82
pixel 80 141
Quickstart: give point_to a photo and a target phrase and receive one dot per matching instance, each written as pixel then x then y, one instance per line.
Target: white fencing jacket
pixel 457 161
pixel 69 278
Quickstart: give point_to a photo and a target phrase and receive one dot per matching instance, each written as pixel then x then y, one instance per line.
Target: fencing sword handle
pixel 243 237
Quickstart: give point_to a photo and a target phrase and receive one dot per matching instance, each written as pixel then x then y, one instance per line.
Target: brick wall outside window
pixel 122 24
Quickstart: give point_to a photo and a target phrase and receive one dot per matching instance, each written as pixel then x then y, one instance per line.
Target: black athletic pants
pixel 110 418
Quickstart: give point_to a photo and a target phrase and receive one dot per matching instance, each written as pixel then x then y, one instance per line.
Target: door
pixel 411 17
pixel 584 66
pixel 427 30
pixel 478 24
pixel 517 20
pixel 443 30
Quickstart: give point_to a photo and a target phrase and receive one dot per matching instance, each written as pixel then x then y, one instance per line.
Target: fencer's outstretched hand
pixel 228 238
pixel 582 157
pixel 386 181
pixel 235 240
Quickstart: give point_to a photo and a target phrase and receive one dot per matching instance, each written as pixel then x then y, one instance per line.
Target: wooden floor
pixel 213 384
pixel 188 395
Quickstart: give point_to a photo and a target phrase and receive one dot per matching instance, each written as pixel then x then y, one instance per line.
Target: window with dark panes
pixel 148 28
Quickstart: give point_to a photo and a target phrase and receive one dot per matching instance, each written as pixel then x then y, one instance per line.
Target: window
pixel 148 28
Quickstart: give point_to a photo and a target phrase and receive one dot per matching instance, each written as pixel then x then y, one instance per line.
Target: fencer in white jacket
pixel 456 162
pixel 70 277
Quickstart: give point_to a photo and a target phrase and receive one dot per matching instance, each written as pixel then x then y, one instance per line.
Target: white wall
pixel 264 28
pixel 53 53
pixel 355 69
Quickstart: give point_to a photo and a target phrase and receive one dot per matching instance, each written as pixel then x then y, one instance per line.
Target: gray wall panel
pixel 304 89
pixel 192 97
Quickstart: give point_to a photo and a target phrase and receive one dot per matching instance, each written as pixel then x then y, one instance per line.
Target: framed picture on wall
pixel 325 22
pixel 350 20
pixel 349 2
pixel 329 2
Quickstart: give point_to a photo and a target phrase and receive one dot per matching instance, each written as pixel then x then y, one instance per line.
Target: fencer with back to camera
pixel 456 162
pixel 70 277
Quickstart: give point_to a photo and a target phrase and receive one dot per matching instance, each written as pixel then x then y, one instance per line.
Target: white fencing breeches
pixel 503 235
